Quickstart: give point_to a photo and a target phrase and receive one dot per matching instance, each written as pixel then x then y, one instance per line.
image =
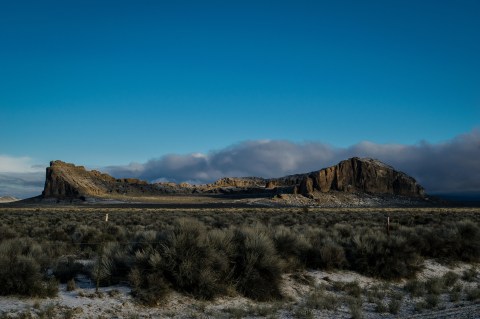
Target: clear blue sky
pixel 110 82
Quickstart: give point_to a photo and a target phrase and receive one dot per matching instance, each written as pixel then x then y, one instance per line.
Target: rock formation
pixel 355 175
pixel 8 199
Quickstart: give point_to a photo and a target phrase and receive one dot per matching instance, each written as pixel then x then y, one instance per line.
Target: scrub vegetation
pixel 210 253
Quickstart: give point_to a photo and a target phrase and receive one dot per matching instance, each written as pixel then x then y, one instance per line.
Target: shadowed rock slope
pixel 355 175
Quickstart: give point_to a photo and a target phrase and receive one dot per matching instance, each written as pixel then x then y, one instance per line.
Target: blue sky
pixel 112 82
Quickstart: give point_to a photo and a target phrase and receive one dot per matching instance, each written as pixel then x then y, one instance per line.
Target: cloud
pixel 19 177
pixel 451 166
pixel 21 185
pixel 11 164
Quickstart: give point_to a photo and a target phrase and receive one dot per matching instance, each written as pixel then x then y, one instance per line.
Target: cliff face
pixel 357 175
pixel 65 180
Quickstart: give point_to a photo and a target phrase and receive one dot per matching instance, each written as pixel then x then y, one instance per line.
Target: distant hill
pixel 351 176
pixel 8 199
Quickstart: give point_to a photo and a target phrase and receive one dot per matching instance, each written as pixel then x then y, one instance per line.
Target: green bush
pixel 415 287
pixel 469 241
pixel 292 247
pixel 319 299
pixel 190 263
pixel 374 254
pixel 257 268
pixel 146 278
pixel 23 268
pixel 67 268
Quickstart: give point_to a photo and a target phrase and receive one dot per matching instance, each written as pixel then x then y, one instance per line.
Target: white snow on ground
pixel 116 301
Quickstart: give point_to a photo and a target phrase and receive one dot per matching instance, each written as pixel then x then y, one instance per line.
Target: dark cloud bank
pixel 449 167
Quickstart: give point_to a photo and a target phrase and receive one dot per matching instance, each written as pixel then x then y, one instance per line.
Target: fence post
pixel 388 226
pixel 100 256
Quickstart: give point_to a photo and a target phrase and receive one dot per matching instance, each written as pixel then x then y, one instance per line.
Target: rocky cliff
pixel 355 175
pixel 66 180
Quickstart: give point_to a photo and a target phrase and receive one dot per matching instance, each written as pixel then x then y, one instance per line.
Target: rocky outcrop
pixel 355 175
pixel 243 182
pixel 8 199
pixel 64 180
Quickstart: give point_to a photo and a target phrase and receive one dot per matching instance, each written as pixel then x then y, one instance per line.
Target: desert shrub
pixel 7 233
pixel 146 278
pixel 469 239
pixel 455 292
pixel 351 288
pixel 395 304
pixel 23 268
pixel 470 274
pixel 190 263
pixel 257 269
pixel 343 230
pixel 112 265
pixel 415 287
pixel 380 306
pixel 449 279
pixel 291 247
pixel 324 252
pixel 458 242
pixel 473 294
pixel 67 268
pixel 321 300
pixel 432 300
pixel 434 285
pixel 71 285
pixel 355 307
pixel 373 254
pixel 86 237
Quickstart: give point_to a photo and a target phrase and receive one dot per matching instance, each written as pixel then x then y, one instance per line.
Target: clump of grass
pixel 350 288
pixel 450 279
pixel 355 307
pixel 304 313
pixel 434 285
pixel 66 268
pixel 455 292
pixel 470 274
pixel 71 285
pixel 415 287
pixel 432 300
pixel 395 303
pixel 380 306
pixel 473 294
pixel 420 306
pixel 321 300
pixel 375 293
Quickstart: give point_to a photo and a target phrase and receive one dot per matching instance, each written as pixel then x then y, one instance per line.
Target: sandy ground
pixel 116 301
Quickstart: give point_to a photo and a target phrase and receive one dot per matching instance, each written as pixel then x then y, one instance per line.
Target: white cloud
pixel 11 164
pixel 20 177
